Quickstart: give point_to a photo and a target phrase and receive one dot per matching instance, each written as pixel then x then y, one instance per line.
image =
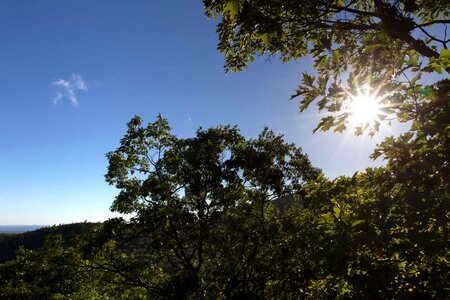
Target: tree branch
pixel 354 11
pixel 443 42
pixel 432 23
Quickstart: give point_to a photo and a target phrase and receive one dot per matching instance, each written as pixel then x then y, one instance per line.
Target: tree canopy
pixel 385 46
pixel 184 193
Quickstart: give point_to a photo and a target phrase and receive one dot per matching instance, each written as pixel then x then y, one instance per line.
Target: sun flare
pixel 364 108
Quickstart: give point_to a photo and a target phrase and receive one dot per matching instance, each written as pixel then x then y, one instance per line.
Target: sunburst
pixel 364 108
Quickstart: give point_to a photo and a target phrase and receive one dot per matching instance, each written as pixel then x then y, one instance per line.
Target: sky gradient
pixel 73 73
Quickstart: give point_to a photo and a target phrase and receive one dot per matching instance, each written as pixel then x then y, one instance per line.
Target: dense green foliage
pixel 220 216
pixel 190 195
pixel 387 45
pixel 31 240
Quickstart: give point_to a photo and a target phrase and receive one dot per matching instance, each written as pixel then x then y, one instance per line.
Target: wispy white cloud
pixel 68 88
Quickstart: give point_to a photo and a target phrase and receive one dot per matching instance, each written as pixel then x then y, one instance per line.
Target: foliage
pixel 50 273
pixel 66 269
pixel 389 46
pixel 382 237
pixel 384 232
pixel 220 216
pixel 185 193
pixel 10 243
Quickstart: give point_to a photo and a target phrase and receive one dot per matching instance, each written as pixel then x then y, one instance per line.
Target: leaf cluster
pixel 387 45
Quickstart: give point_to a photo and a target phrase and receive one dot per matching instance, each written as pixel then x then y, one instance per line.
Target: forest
pixel 221 216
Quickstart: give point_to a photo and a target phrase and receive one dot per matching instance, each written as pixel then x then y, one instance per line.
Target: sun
pixel 365 108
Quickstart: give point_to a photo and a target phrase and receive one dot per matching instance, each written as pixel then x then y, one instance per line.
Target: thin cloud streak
pixel 67 89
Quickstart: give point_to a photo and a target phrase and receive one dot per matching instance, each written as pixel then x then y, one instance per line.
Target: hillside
pixel 16 229
pixel 9 243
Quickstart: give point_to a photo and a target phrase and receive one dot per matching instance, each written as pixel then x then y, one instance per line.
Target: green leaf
pixel 412 61
pixel 340 127
pixel 265 39
pixel 373 47
pixel 337 211
pixel 234 7
pixel 426 91
pixel 445 54
pixel 325 123
pixel 357 222
pixel 327 217
pixel 308 79
pixel 306 101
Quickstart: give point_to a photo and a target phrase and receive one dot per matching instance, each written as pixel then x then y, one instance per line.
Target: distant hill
pixel 19 228
pixel 9 243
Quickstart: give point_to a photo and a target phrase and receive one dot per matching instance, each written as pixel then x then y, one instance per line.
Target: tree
pixel 385 232
pixel 185 194
pixel 55 271
pixel 386 46
pixel 76 268
pixel 379 236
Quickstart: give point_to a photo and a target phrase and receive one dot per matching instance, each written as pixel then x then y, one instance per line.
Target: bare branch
pixel 432 23
pixel 443 42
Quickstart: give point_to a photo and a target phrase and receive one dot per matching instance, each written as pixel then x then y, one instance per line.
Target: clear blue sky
pixel 72 73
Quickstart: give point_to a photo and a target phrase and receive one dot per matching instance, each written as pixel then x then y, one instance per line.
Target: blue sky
pixel 74 72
